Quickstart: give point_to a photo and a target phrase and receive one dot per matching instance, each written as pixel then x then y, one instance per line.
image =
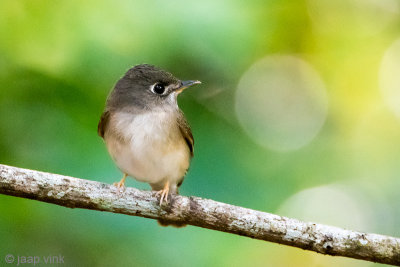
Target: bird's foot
pixel 163 193
pixel 121 184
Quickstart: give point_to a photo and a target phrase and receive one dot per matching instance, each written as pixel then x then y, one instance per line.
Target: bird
pixel 144 130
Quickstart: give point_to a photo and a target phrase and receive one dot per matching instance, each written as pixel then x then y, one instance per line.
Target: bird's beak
pixel 186 84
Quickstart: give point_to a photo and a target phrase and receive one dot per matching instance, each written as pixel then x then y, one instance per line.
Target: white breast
pixel 148 147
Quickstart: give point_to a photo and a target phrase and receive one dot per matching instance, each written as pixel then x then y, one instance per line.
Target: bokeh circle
pixel 390 77
pixel 281 102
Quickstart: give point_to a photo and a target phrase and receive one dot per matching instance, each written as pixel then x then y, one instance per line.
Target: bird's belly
pixel 151 158
pixel 152 164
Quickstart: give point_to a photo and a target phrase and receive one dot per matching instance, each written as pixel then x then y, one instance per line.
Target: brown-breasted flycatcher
pixel 144 130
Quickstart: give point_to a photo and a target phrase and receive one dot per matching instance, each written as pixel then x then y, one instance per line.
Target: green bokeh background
pixel 59 59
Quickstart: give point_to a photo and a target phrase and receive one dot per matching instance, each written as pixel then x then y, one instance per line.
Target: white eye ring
pixel 158 89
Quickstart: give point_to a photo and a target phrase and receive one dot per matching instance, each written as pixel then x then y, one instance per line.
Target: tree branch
pixel 78 193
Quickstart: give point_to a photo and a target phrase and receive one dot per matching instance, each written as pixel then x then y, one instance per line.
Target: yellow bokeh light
pixel 390 77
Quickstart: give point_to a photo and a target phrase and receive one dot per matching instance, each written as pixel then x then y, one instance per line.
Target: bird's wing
pixel 186 132
pixel 105 117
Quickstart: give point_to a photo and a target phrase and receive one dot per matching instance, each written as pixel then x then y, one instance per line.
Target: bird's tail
pixel 169 223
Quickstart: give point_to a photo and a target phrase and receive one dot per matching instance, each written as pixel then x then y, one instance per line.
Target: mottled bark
pixel 78 193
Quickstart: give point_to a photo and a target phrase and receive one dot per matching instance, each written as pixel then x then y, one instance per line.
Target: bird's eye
pixel 158 88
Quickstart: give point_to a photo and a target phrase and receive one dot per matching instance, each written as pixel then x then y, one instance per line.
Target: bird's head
pixel 147 87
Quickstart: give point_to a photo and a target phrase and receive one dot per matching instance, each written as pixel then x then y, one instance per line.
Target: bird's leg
pixel 164 193
pixel 121 184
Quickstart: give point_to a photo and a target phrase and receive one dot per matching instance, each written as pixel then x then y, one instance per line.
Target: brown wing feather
pixel 103 123
pixel 186 133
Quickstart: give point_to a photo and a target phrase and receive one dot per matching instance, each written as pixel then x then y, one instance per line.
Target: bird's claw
pixel 163 194
pixel 120 185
